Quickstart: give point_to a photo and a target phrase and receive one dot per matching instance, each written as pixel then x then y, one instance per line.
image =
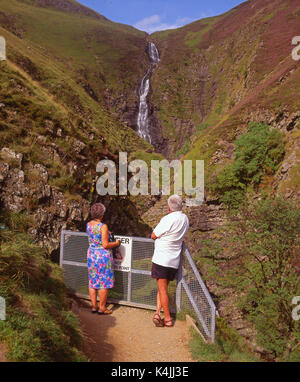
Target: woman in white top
pixel 168 236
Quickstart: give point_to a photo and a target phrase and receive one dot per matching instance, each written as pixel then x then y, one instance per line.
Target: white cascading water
pixel 142 119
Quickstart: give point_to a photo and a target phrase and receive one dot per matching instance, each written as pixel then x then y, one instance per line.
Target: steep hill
pixel 106 59
pixel 219 73
pixel 215 76
pixel 67 97
pixel 70 6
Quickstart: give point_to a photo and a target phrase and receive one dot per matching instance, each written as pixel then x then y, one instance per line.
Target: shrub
pixel 256 256
pixel 228 346
pixel 258 153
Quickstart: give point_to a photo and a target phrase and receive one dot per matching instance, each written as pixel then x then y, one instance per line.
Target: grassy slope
pixel 216 71
pixel 77 42
pixel 59 67
pixel 39 325
pixel 98 55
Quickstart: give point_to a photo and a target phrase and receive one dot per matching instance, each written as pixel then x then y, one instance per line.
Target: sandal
pixel 107 311
pixel 94 311
pixel 169 326
pixel 158 322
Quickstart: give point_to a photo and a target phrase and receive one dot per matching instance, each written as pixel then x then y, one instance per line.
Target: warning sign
pixel 122 257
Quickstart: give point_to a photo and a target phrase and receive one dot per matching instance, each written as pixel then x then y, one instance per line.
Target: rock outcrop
pixel 48 208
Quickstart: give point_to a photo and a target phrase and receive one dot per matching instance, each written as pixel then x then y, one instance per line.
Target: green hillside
pixel 102 57
pixel 218 74
pixel 61 87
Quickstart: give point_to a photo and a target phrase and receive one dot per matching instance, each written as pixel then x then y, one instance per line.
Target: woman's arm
pixel 105 241
pixel 153 236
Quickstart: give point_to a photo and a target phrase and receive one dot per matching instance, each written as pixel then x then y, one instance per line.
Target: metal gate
pixel 136 287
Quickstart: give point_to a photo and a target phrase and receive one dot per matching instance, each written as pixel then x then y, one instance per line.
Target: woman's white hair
pixel 97 210
pixel 175 203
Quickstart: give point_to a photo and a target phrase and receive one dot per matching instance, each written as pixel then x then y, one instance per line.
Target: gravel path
pixel 128 335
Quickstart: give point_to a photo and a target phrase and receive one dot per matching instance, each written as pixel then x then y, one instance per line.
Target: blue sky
pixel 153 15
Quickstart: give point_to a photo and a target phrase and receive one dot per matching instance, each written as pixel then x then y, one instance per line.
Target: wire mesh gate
pixel 136 287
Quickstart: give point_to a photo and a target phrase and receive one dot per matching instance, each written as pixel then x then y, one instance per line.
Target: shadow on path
pixel 129 335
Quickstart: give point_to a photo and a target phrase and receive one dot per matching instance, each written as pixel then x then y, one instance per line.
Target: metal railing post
pixel 129 280
pixel 61 253
pixel 129 287
pixel 213 324
pixel 179 285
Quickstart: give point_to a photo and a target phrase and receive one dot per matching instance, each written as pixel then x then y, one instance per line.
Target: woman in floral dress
pixel 100 259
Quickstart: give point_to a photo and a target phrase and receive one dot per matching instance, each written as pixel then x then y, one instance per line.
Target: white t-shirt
pixel 170 233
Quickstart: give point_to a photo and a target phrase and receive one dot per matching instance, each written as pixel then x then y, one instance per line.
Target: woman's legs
pixel 163 298
pixel 93 297
pixel 103 297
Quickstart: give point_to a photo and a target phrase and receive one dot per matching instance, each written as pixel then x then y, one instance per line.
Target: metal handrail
pixel 182 284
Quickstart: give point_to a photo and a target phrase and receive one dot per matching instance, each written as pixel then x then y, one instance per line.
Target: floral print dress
pixel 100 260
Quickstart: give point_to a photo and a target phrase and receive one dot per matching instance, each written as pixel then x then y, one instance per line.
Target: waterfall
pixel 142 119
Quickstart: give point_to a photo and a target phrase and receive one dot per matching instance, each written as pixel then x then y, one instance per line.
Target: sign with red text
pixel 122 257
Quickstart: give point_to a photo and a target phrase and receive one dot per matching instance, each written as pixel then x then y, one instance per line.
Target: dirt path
pixel 128 335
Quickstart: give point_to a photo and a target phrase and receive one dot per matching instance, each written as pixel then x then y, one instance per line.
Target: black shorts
pixel 160 272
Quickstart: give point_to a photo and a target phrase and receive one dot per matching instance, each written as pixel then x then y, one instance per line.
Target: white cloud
pixel 155 23
pixel 185 20
pixel 148 22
